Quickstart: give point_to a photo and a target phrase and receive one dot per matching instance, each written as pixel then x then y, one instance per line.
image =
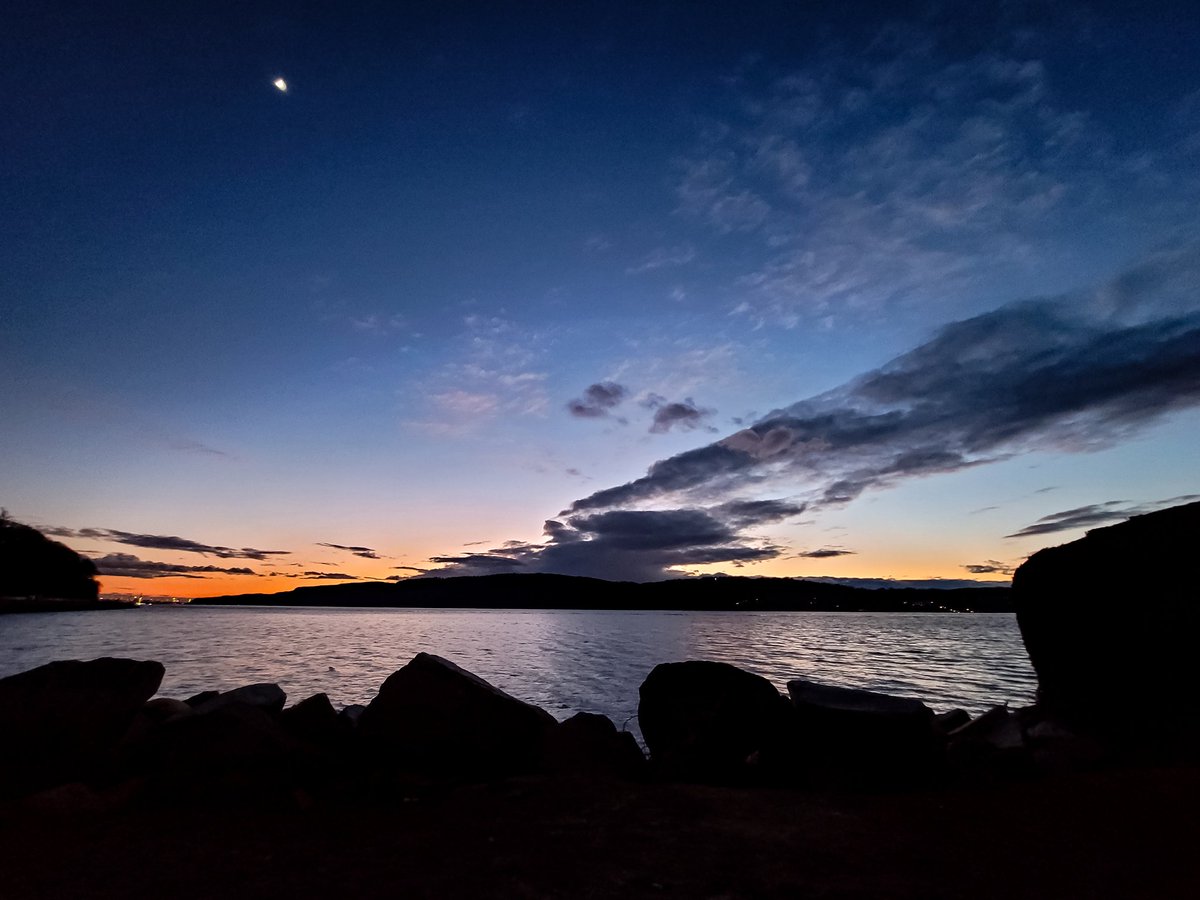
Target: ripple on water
pixel 563 660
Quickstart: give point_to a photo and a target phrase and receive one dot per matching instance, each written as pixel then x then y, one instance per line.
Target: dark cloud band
pixel 126 565
pixel 164 542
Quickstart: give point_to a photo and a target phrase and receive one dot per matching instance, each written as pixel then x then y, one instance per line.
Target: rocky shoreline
pixel 445 786
pixel 93 735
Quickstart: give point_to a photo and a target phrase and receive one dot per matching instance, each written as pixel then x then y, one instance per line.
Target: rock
pixel 999 728
pixel 864 736
pixel 267 697
pixel 315 721
pixel 951 719
pixel 61 721
pixel 202 697
pixel 1110 621
pixel 351 713
pixel 64 801
pixel 437 717
pixel 1057 747
pixel 232 754
pixel 990 746
pixel 162 709
pixel 589 744
pixel 704 720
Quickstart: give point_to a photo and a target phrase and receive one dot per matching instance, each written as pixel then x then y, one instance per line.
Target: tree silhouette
pixel 32 565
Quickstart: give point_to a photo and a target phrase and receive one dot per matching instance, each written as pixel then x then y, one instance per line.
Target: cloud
pixel 477 563
pixel 635 545
pixel 127 565
pixel 379 323
pixel 164 542
pixel 744 513
pixel 824 553
pixel 1095 514
pixel 663 258
pixel 192 446
pixel 364 552
pixel 328 576
pixel 683 415
pixel 1069 374
pixel 493 377
pixel 989 567
pixel 467 403
pixel 909 168
pixel 598 400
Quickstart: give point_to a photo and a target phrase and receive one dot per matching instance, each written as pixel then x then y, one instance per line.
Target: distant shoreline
pixel 711 594
pixel 49 604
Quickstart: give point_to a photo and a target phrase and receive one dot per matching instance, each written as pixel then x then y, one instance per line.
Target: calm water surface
pixel 563 660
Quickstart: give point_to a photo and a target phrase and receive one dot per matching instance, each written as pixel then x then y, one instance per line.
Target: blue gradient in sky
pixel 355 312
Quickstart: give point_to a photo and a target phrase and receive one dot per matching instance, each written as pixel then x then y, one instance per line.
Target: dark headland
pixel 444 786
pixel 39 574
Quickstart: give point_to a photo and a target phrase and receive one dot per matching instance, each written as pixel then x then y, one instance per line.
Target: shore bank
pixel 1118 834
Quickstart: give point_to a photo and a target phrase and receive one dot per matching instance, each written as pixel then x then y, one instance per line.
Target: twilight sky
pixel 618 289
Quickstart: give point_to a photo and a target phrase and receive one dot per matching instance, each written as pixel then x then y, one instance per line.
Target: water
pixel 565 661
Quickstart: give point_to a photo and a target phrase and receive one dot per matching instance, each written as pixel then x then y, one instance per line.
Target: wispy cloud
pixel 1095 514
pixel 910 169
pixel 664 258
pixel 364 552
pixel 127 565
pixel 495 377
pixel 190 446
pixel 989 567
pixel 379 323
pixel 163 542
pixel 824 553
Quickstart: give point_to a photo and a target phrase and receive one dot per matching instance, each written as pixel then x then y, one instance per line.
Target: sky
pixel 629 290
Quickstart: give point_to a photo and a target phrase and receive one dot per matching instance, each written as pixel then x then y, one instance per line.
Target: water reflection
pixel 563 660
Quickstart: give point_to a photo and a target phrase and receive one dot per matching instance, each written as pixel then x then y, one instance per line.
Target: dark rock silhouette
pixel 34 568
pixel 864 736
pixel 951 720
pixel 315 721
pixel 589 744
pixel 1110 624
pixel 434 716
pixel 60 722
pixel 201 698
pixel 85 738
pixel 265 696
pixel 705 720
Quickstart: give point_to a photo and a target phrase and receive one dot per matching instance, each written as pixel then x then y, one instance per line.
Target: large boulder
pixel 61 721
pixel 864 736
pixel 317 723
pixel 268 697
pixel 589 744
pixel 1110 624
pixel 706 720
pixel 433 716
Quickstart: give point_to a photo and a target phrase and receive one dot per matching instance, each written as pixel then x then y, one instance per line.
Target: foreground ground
pixel 1128 834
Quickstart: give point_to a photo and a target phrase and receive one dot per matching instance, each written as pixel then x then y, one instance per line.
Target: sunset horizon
pixel 796 291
